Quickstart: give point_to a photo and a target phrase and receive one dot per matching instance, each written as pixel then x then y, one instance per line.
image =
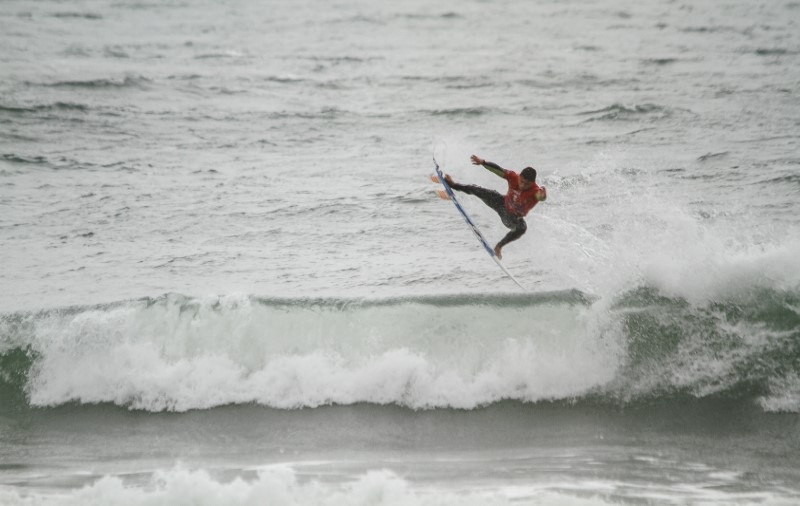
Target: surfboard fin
pixel 442 194
pixel 434 178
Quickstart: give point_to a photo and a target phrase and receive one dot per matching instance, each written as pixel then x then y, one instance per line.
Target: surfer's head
pixel 529 173
pixel 528 176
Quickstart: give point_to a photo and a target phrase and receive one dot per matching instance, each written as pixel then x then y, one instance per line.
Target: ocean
pixel 227 279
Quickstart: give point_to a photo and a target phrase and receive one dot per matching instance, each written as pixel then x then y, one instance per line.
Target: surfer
pixel 523 194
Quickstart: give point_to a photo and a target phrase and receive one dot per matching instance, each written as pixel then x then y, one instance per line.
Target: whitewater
pixel 176 353
pixel 225 277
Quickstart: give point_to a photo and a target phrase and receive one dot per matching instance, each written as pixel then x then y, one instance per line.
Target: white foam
pixel 179 355
pixel 281 486
pixel 784 394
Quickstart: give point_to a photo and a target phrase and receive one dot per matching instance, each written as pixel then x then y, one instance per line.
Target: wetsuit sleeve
pixel 494 168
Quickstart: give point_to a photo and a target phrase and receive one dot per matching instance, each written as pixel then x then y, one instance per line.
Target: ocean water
pixel 226 278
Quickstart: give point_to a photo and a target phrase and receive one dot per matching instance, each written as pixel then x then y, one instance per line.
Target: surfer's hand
pixel 476 160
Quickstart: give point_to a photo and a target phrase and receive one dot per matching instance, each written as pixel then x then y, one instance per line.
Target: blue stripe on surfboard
pixel 464 214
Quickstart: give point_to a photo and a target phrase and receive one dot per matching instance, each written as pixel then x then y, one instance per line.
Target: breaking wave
pixel 179 353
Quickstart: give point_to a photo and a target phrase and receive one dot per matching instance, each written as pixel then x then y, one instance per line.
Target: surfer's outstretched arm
pixel 490 166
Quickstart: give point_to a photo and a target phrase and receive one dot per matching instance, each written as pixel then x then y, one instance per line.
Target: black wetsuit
pixel 496 201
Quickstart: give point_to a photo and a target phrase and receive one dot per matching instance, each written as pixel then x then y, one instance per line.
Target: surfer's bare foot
pixel 449 180
pixel 497 252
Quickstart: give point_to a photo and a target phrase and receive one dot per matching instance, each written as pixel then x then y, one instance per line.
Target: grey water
pixel 226 277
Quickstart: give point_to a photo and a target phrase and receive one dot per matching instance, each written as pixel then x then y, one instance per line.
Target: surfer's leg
pixel 518 230
pixel 513 235
pixel 489 197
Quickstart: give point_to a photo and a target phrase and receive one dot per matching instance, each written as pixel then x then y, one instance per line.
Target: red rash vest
pixel 519 202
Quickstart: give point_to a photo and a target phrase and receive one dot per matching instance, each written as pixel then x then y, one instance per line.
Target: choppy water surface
pixel 226 277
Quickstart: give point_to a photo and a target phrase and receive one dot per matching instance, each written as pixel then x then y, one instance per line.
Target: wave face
pixel 178 353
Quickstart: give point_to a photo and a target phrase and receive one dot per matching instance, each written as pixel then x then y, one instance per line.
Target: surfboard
pixel 448 194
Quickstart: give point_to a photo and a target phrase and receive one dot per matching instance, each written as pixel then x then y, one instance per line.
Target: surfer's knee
pixel 516 224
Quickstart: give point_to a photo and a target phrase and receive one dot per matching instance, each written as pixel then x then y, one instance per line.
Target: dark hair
pixel 529 173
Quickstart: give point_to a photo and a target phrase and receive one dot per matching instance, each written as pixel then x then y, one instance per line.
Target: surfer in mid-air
pixel 523 194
